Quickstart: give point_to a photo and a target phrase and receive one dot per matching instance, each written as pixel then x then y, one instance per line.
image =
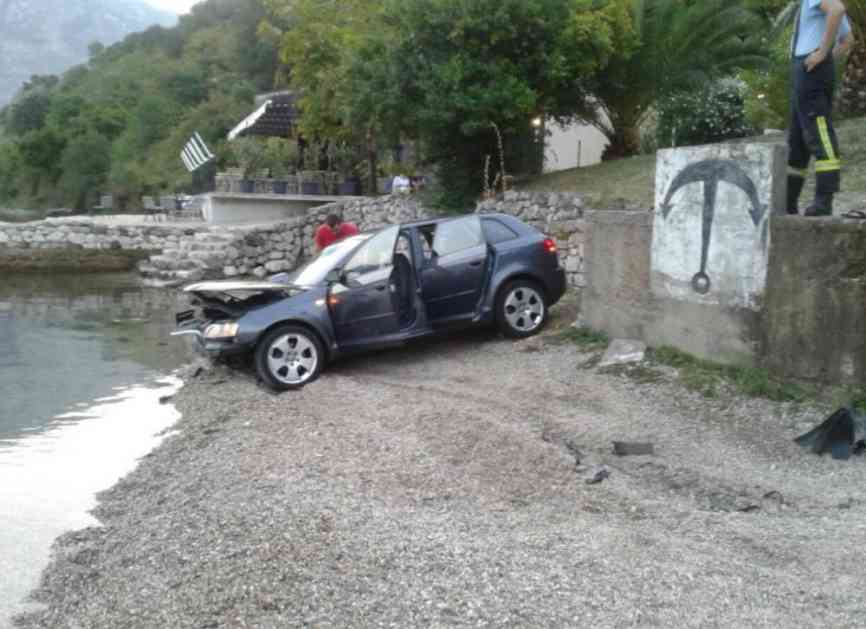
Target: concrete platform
pixel 222 208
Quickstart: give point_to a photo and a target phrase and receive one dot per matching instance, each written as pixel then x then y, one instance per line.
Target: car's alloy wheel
pixel 522 309
pixel 289 357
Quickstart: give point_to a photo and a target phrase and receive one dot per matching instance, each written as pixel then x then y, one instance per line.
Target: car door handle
pixel 381 287
pixel 476 263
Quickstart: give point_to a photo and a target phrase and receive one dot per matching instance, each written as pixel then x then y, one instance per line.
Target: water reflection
pixel 83 363
pixel 48 481
pixel 67 339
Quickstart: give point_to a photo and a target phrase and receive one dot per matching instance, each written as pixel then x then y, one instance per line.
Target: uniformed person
pixel 821 32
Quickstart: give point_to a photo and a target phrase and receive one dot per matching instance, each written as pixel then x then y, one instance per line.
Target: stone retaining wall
pixel 181 254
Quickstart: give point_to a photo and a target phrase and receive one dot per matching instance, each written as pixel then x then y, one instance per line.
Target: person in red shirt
pixel 333 230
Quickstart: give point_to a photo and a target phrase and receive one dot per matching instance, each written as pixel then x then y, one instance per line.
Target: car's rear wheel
pixel 521 309
pixel 289 357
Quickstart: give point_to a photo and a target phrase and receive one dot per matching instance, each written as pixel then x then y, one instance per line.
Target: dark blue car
pixel 380 289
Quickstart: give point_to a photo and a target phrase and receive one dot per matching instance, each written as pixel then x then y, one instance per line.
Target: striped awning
pixel 275 118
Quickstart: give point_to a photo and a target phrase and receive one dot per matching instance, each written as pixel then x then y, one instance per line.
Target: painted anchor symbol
pixel 711 172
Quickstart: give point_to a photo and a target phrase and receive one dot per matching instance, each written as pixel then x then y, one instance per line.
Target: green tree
pixel 28 112
pixel 320 43
pixel 10 166
pixel 440 71
pixel 85 165
pixel 457 69
pixel 854 80
pixel 144 97
pixel 767 9
pixel 681 45
pixel 40 153
pixel 94 49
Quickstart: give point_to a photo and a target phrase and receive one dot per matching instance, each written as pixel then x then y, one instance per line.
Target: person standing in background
pixel 821 32
pixel 333 230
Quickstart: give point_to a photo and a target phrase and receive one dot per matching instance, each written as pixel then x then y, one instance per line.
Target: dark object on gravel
pixel 749 509
pixel 599 476
pixel 835 435
pixel 626 448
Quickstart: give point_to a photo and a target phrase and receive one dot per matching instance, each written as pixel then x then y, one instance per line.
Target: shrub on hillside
pixel 768 91
pixel 711 114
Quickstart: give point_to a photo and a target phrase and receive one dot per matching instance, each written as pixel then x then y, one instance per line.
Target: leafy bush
pixel 281 156
pixel 249 154
pixel 767 95
pixel 712 114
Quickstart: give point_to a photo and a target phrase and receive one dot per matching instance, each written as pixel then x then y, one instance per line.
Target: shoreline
pixel 69 260
pixel 49 479
pixel 381 496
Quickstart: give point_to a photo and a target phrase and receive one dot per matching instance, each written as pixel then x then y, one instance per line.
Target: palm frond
pixel 857 15
pixel 784 20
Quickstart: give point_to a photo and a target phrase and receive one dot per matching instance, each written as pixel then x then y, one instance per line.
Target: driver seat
pixel 403 279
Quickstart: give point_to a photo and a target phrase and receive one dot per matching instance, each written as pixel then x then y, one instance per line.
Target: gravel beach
pixel 446 484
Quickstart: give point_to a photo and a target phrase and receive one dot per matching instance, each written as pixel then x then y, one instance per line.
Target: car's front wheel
pixel 521 309
pixel 288 357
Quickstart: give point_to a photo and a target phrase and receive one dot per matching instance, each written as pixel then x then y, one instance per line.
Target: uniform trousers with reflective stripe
pixel 811 131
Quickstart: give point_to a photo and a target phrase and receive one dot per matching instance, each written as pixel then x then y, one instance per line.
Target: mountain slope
pixel 49 36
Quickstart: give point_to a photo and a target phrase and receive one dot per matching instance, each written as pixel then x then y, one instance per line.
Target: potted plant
pixel 312 179
pixel 281 157
pixel 386 178
pixel 344 161
pixel 312 182
pixel 249 154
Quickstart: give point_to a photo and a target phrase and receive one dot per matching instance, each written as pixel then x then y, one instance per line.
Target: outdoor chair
pixel 152 209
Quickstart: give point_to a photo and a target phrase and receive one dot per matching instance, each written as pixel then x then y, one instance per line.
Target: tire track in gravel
pixel 583 415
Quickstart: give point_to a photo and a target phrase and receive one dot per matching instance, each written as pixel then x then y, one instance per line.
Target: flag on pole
pixel 196 153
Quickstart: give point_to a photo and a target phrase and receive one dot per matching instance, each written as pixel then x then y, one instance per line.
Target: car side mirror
pixel 335 276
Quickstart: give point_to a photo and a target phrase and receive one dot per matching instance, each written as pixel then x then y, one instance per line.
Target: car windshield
pixel 315 272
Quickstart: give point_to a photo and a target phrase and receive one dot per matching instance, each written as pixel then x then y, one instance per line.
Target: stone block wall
pixel 185 254
pixel 59 233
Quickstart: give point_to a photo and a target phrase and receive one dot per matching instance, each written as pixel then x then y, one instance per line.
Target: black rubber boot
pixel 821 206
pixel 795 187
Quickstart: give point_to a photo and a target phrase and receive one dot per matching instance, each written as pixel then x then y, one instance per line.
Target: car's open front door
pixel 362 307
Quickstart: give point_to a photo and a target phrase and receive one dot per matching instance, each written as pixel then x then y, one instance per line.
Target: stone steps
pixel 155 276
pixel 171 263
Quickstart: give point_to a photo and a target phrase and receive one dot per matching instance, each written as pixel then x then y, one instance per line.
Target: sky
pixel 175 6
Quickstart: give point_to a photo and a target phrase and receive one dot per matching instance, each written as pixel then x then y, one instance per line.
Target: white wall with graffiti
pixel 711 233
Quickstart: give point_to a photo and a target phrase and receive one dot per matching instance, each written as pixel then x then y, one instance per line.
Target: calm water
pixel 83 363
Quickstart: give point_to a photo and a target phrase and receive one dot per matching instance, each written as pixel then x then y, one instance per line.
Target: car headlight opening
pixel 224 330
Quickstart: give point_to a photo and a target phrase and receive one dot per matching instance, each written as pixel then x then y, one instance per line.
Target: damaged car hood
pixel 239 288
pixel 228 298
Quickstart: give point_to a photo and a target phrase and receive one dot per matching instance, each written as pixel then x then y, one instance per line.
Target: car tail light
pixel 549 245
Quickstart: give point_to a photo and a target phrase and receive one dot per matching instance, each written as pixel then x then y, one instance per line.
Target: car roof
pixel 442 219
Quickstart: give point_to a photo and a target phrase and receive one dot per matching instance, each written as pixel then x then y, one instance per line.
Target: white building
pixel 573 146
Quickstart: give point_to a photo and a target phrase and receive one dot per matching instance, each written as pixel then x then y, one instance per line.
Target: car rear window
pixel 496 231
pixel 457 235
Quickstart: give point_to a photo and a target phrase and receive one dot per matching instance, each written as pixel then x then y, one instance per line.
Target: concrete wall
pixel 815 303
pixel 235 208
pixel 711 236
pixel 811 322
pixel 617 297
